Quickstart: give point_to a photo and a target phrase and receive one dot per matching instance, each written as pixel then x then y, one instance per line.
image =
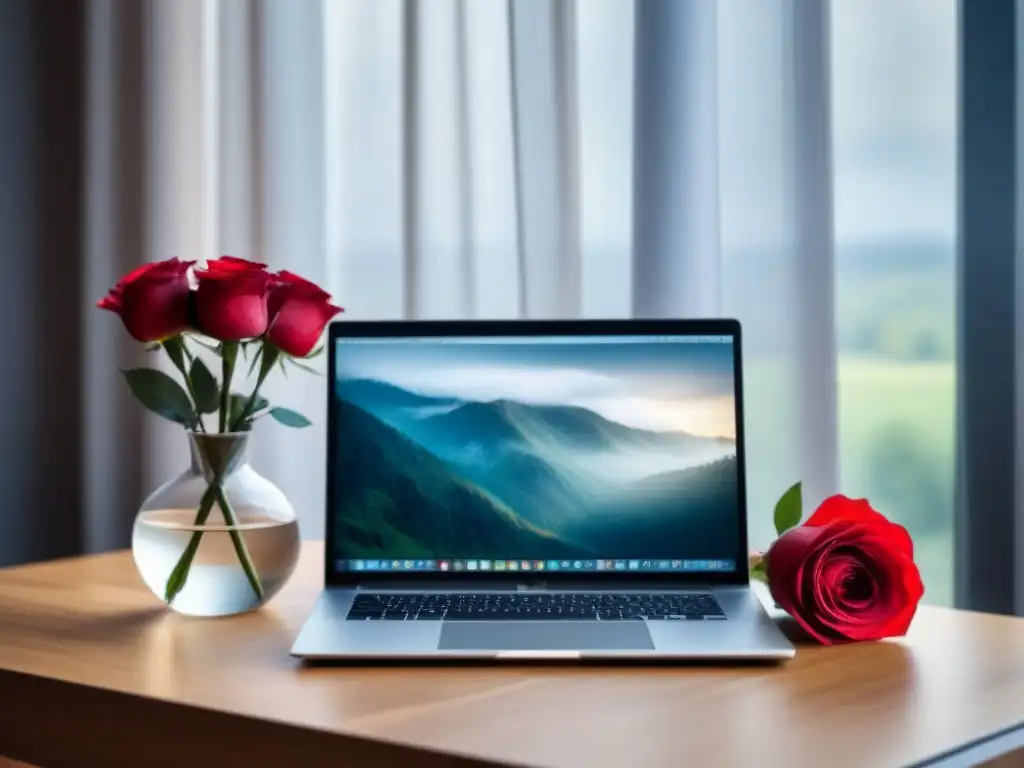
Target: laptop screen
pixel 570 453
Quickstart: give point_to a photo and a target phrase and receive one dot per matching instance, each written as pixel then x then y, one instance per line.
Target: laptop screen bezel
pixel 343 329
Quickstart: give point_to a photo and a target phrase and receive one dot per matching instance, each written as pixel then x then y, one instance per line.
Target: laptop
pixel 510 490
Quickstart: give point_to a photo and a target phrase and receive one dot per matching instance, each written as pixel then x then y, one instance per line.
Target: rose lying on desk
pixel 846 575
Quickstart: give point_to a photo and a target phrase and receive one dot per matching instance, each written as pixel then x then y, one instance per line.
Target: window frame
pixel 988 543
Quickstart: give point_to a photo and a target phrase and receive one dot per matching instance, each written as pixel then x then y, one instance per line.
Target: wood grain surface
pixel 94 670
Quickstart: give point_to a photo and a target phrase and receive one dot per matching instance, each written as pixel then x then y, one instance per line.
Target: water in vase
pixel 216 584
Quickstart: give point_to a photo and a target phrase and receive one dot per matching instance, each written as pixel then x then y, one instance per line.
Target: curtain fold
pixel 499 277
pixel 239 131
pixel 412 61
pixel 464 148
pixel 363 160
pixel 676 244
pixel 534 158
pixel 438 256
pixel 546 148
pixel 732 211
pixel 41 160
pixel 812 174
pixel 114 431
pixel 290 148
pixel 179 125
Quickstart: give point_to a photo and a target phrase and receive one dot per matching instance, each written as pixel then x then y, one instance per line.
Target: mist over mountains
pixel 443 477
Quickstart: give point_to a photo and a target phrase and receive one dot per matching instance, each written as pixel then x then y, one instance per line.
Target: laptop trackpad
pixel 544 636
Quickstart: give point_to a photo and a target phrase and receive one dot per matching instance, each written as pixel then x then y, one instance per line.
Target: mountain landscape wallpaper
pixel 499 449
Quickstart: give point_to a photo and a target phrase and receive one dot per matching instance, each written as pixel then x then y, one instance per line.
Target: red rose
pixel 846 574
pixel 299 312
pixel 152 300
pixel 231 300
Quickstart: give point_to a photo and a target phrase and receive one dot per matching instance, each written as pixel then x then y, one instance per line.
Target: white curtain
pixel 473 158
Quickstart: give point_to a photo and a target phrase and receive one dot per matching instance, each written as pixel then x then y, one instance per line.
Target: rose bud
pixel 231 300
pixel 152 301
pixel 299 312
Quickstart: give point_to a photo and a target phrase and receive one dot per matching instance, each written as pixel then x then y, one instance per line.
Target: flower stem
pixel 268 358
pixel 176 581
pixel 179 576
pixel 178 351
pixel 239 542
pixel 214 493
pixel 229 354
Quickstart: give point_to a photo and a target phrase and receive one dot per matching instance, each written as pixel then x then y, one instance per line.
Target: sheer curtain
pixel 470 158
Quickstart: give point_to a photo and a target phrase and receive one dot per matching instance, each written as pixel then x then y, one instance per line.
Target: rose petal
pixel 883 564
pixel 152 300
pixel 825 609
pixel 848 580
pixel 231 303
pixel 844 509
pixel 289 285
pixel 789 567
pixel 299 324
pixel 837 571
pixel 111 302
pixel 233 264
pixel 299 312
pixel 784 559
pixel 912 590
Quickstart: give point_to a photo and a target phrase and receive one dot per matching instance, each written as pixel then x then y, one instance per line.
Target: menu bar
pixel 558 566
pixel 534 340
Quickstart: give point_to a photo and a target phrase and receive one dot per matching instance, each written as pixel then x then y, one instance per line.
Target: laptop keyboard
pixel 512 606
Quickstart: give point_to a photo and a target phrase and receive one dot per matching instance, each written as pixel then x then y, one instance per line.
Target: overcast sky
pixel 661 387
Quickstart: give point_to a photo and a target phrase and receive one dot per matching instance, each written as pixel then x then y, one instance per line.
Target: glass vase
pixel 218 539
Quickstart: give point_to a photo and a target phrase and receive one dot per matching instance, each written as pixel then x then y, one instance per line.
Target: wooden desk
pixel 94 671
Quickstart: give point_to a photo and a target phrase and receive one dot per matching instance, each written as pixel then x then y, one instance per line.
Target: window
pixel 894 120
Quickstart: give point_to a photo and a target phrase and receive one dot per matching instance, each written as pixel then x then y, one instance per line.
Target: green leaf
pixel 255 362
pixel 304 367
pixel 315 353
pixel 204 387
pixel 789 509
pixel 235 405
pixel 175 348
pixel 289 417
pixel 161 394
pixel 758 572
pixel 238 401
pixel 260 404
pixel 284 368
pixel 215 348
